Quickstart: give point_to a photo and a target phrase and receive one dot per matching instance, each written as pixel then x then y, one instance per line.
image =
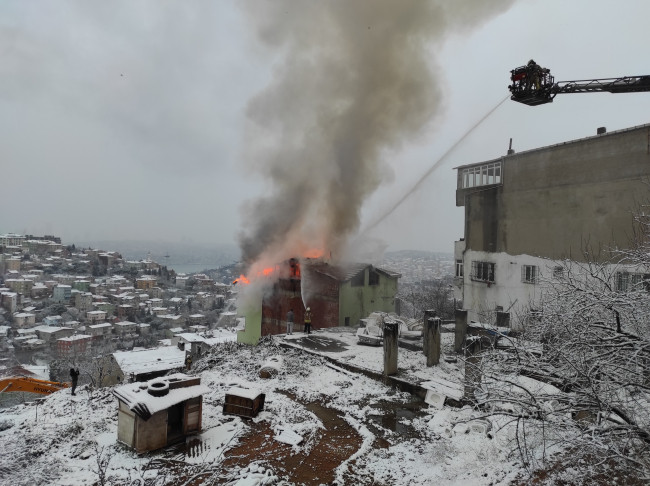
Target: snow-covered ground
pixel 352 430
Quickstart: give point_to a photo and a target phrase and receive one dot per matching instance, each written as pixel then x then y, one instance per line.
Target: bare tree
pixel 577 377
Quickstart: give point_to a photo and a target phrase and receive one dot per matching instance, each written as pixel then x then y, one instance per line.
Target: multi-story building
pixel 527 212
pixel 24 319
pixel 12 263
pixel 61 293
pixel 11 239
pixel 74 346
pixel 83 301
pixel 101 330
pixel 20 285
pixel 145 282
pixel 9 300
pixel 96 316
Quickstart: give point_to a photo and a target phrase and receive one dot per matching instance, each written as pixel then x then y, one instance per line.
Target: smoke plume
pixel 354 81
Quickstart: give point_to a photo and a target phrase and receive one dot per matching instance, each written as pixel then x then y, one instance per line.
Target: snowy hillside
pixel 352 430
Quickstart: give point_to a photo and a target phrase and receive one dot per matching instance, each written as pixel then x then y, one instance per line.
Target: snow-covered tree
pixel 576 379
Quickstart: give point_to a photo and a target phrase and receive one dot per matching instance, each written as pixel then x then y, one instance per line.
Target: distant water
pixel 190 267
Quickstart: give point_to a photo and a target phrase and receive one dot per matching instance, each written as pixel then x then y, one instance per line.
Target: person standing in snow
pixel 290 321
pixel 188 362
pixel 308 320
pixel 74 375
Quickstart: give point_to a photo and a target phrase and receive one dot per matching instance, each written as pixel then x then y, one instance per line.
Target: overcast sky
pixel 131 120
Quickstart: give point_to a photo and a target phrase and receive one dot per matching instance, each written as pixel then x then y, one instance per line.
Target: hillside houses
pixel 71 302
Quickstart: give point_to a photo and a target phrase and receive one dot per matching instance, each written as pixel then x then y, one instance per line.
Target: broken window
pixel 483 271
pixel 529 274
pixel 359 279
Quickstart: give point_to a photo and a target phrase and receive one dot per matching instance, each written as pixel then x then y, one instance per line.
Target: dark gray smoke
pixel 356 79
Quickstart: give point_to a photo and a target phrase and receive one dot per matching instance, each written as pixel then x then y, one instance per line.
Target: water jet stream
pixel 421 180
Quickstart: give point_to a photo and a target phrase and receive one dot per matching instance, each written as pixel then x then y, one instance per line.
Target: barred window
pixel 483 271
pixel 530 274
pixel 630 281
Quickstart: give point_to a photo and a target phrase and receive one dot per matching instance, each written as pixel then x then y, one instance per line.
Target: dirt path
pixel 332 447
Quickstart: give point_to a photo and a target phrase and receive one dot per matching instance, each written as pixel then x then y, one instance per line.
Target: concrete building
pixel 145 282
pixel 527 212
pixel 9 301
pixel 12 264
pixel 96 316
pixel 61 293
pixel 20 285
pixel 100 331
pixel 83 301
pixel 24 319
pixel 11 239
pixel 125 328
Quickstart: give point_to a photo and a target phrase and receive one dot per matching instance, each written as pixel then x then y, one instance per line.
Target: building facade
pixel 527 213
pixel 337 296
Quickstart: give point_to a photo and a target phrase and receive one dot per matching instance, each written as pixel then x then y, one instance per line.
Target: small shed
pixel 159 412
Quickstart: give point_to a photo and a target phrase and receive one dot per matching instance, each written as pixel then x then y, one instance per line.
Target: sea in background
pixel 190 267
pixel 180 257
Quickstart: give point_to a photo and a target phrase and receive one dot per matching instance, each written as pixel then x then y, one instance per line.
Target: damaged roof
pixel 343 273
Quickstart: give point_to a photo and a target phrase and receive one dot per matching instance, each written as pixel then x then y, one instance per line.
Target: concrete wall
pixel 151 434
pixel 125 425
pixel 507 291
pixel 556 201
pixel 356 303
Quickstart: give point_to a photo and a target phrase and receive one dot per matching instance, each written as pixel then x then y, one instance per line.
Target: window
pixel 373 277
pixel 359 279
pixel 529 274
pixel 480 175
pixel 483 271
pixel 558 272
pixel 459 268
pixel 629 281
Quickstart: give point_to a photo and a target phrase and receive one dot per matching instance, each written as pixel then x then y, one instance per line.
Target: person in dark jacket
pixel 74 375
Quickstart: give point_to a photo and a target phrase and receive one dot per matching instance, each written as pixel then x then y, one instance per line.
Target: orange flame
pixel 314 253
pixel 241 279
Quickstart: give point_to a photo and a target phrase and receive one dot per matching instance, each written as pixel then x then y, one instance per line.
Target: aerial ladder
pixel 32 385
pixel 534 85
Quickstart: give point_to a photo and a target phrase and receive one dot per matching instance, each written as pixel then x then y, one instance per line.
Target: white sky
pixel 125 120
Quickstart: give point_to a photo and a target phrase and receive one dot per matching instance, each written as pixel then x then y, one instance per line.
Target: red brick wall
pixel 286 294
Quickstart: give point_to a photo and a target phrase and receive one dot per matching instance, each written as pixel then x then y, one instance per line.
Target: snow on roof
pixel 191 337
pixel 138 399
pixel 50 329
pixel 97 326
pixel 150 360
pixel 76 337
pixel 251 393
